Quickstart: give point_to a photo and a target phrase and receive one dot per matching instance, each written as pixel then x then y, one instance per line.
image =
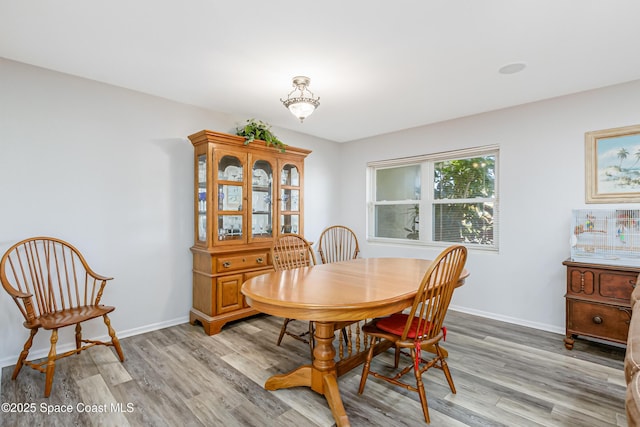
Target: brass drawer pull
pixel 226 264
pixel 259 260
pixel 597 320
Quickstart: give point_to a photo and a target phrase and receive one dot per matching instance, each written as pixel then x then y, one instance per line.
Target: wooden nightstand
pixel 597 300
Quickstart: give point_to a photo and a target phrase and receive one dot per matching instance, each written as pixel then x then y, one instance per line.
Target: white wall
pixel 111 171
pixel 322 182
pixel 541 180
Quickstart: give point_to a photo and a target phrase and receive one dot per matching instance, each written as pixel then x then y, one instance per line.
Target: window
pixel 438 199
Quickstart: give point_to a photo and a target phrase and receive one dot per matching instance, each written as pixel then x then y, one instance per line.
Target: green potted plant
pixel 257 129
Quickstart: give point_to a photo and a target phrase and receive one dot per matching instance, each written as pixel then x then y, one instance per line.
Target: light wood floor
pixel 505 375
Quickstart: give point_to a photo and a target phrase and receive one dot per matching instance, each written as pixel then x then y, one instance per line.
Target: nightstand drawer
pixel 598 320
pixel 617 285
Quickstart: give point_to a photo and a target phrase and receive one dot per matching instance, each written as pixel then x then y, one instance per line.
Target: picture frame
pixel 612 166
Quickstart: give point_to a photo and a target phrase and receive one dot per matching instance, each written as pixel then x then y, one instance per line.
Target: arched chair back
pixel 292 251
pixel 422 329
pixel 53 287
pixel 426 318
pixel 338 243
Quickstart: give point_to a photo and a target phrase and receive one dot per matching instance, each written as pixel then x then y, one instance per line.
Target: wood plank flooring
pixel 505 375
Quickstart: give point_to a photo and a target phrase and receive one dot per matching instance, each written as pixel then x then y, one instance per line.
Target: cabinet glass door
pixel 230 199
pixel 261 200
pixel 202 198
pixel 289 199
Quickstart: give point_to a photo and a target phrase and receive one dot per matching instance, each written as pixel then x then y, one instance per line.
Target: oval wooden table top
pixel 342 291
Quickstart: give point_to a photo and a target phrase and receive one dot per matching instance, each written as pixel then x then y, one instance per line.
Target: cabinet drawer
pixel 617 285
pixel 598 320
pixel 241 262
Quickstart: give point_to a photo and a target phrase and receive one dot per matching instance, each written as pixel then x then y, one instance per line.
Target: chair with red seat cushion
pixel 54 287
pixel 422 328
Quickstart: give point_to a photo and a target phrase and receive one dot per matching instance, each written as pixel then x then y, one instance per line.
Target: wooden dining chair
pixel 54 287
pixel 337 243
pixel 287 252
pixel 422 328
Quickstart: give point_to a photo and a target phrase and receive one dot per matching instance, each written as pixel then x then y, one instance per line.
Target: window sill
pixel 417 243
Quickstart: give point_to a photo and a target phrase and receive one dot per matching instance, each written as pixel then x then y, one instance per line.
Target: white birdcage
pixel 606 236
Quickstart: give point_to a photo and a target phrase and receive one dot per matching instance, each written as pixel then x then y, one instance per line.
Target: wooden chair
pixel 292 251
pixel 338 243
pixel 422 328
pixel 54 287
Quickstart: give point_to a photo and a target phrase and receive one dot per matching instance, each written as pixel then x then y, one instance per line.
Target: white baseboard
pixel 513 320
pixel 11 360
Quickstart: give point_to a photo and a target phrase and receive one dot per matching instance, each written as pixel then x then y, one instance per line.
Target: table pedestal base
pixel 321 376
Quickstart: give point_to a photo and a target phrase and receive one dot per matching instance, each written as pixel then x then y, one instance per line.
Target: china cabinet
pixel 245 196
pixel 598 301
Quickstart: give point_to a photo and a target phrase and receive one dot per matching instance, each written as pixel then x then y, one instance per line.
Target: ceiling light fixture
pixel 303 104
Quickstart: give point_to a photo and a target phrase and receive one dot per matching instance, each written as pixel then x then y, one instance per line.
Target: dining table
pixel 332 295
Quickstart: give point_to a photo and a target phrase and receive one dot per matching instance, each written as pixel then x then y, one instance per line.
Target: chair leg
pixel 78 337
pixel 24 353
pixel 283 330
pixel 114 338
pixel 366 367
pixel 447 374
pixel 345 336
pixel 51 363
pixel 445 369
pixel 420 386
pixel 312 341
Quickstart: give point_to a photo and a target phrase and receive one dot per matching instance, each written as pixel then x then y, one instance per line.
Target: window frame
pixel 427 200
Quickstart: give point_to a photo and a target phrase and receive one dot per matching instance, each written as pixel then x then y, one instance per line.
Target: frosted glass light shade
pixel 302 110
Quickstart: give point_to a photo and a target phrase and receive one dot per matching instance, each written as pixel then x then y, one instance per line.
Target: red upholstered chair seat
pixel 395 324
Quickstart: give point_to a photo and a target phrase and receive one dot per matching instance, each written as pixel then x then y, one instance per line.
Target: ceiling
pixel 378 66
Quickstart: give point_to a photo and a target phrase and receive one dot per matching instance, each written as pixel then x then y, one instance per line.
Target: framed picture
pixel 613 165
